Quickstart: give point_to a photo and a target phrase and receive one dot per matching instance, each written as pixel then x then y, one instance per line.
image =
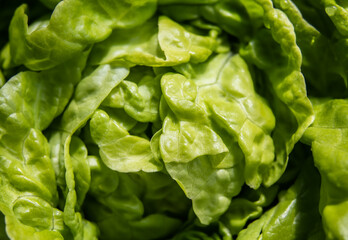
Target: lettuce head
pixel 174 119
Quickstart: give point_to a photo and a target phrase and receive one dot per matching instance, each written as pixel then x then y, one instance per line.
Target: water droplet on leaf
pixel 331 10
pixel 284 4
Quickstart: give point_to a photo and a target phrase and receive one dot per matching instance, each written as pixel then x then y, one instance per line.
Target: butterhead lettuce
pixel 172 119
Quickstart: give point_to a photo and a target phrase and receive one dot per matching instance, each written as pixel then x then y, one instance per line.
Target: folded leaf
pixel 296 216
pixel 89 94
pixel 338 13
pixel 209 187
pixel 138 95
pixel 324 70
pixel 237 108
pixel 285 84
pixel 114 141
pixel 134 206
pixel 161 42
pixel 73 27
pixel 29 103
pixel 195 154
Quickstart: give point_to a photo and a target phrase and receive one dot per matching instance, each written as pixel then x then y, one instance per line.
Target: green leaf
pixel 328 138
pixel 338 13
pixel 238 18
pixel 71 28
pixel 195 155
pixel 324 60
pixel 285 84
pixel 2 79
pixel 159 42
pixel 136 206
pixel 138 95
pixel 89 94
pixel 209 187
pixel 29 103
pixel 237 108
pixel 296 216
pixel 183 141
pixel 114 141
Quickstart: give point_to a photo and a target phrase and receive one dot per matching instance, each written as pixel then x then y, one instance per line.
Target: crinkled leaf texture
pixel 73 26
pixel 29 103
pixel 324 57
pixel 139 95
pixel 159 42
pixel 89 94
pixel 119 150
pixel 216 132
pixel 173 119
pixel 285 83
